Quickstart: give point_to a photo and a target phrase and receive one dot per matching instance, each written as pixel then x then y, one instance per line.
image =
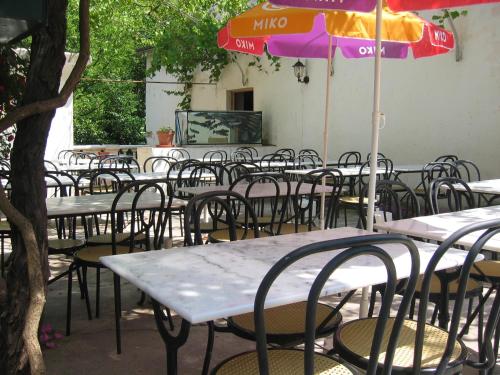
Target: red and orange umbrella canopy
pixel 369 5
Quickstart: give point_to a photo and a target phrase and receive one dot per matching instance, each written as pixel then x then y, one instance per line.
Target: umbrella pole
pixel 375 135
pixel 325 127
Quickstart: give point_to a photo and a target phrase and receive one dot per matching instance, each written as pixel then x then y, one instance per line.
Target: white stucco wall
pixel 61 129
pixel 433 106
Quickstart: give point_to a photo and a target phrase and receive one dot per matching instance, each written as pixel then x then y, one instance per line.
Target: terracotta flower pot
pixel 165 138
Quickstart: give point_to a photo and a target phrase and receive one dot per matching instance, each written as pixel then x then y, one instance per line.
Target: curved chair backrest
pixel 288 153
pixel 468 170
pixel 432 171
pixel 307 161
pixel 372 246
pixel 308 151
pixel 276 197
pixel 148 204
pixel 267 162
pixel 104 181
pixel 394 197
pixel 196 174
pixel 379 156
pixel 251 150
pixel 446 158
pixel 485 230
pixel 158 163
pixel 120 162
pixel 384 165
pixel 349 159
pixel 224 208
pixel 63 183
pixel 303 204
pixel 179 153
pixel 456 191
pixel 233 170
pixel 241 155
pixel 63 154
pixel 50 166
pixel 215 156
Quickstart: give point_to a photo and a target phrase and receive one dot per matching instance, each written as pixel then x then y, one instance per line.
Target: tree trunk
pixel 28 183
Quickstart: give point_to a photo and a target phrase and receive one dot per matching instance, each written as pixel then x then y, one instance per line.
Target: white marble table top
pixel 263 190
pixel 346 171
pixel 483 187
pixel 100 203
pixel 439 227
pixel 51 183
pixel 146 176
pixel 408 168
pixel 208 282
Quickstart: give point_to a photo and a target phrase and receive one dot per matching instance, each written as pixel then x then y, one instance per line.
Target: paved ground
pixel 91 347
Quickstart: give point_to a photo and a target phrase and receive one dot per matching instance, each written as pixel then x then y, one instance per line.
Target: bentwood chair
pixel 316 317
pixel 288 153
pixel 395 201
pixel 306 207
pixel 454 200
pixel 349 159
pixel 385 167
pixel 158 163
pixel 120 162
pixel 254 154
pixel 446 159
pixel 215 156
pixel 308 151
pixel 146 221
pixel 423 348
pixel 179 153
pixel 430 172
pixel 235 169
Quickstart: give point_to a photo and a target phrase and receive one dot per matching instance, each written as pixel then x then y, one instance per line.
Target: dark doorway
pixel 241 100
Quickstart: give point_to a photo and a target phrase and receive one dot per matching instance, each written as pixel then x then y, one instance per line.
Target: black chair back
pixel 179 153
pixel 215 156
pixel 352 247
pixel 393 197
pixel 158 163
pixel 446 159
pixel 467 170
pixel 120 162
pixel 349 159
pixel 456 191
pixel 288 153
pixel 223 207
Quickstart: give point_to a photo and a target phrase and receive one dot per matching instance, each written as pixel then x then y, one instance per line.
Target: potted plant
pixel 165 136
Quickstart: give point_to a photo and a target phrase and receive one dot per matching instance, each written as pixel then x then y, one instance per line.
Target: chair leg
pixel 80 283
pixel 68 301
pixel 170 320
pixel 469 313
pixel 86 292
pixel 412 308
pixel 210 347
pixel 116 282
pixel 2 255
pixel 97 291
pixel 373 298
pixel 434 314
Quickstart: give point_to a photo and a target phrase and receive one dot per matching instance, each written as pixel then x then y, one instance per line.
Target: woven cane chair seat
pixel 472 286
pixel 281 362
pixel 289 228
pixel 351 199
pixel 488 268
pixel 93 253
pixel 222 235
pixel 62 245
pixel 100 239
pixel 355 338
pixel 285 323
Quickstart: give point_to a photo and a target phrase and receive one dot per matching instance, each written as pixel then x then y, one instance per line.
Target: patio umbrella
pixel 313 33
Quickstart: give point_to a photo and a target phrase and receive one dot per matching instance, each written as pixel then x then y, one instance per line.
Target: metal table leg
pixel 172 342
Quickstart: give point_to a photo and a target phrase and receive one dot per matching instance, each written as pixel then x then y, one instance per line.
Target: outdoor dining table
pixel 147 176
pixel 261 190
pixel 483 187
pixel 208 282
pixel 346 171
pixel 439 227
pixel 101 204
pixel 51 183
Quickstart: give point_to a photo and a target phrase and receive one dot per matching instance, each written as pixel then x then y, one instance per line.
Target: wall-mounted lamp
pixel 299 70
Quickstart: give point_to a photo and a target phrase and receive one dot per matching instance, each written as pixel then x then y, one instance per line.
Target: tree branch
pixel 70 85
pixel 36 284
